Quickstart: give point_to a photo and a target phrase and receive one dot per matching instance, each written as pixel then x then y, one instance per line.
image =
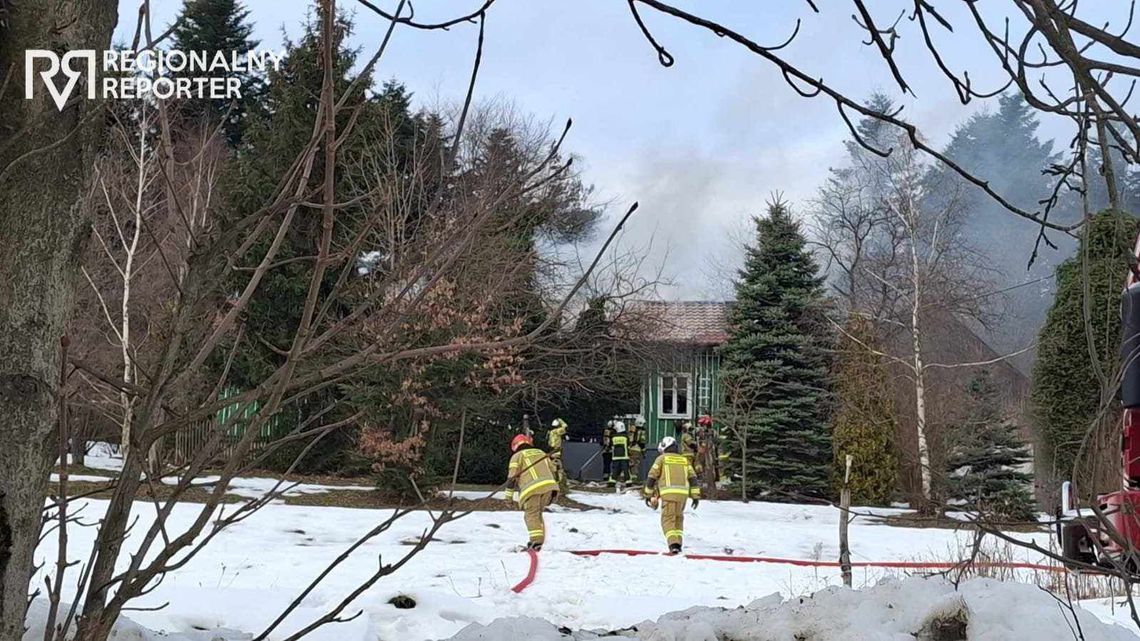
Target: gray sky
pixel 700 145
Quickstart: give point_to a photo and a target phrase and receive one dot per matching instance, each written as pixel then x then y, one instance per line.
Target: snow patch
pixel 123 630
pixel 927 609
pixel 256 487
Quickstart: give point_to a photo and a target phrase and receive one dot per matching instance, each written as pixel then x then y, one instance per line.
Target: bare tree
pixel 894 240
pixel 127 193
pixel 441 265
pixel 744 398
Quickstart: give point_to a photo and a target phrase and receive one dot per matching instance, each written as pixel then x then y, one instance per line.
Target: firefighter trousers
pixel 635 465
pixel 532 514
pixel 619 470
pixel 556 465
pixel 673 519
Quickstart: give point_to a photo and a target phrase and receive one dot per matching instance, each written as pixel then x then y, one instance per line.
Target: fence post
pixel 844 519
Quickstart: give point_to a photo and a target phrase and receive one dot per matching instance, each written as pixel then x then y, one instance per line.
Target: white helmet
pixel 666 443
pixel 619 427
pixel 554 423
pixel 639 421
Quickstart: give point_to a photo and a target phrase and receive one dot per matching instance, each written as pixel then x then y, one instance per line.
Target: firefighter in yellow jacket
pixel 636 447
pixel 671 482
pixel 554 439
pixel 531 479
pixel 688 445
pixel 619 466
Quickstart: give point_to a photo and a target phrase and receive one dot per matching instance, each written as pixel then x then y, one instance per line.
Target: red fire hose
pixel 909 565
pixel 903 565
pixel 522 585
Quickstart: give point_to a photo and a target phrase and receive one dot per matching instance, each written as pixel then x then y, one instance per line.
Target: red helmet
pixel 519 440
pixel 704 421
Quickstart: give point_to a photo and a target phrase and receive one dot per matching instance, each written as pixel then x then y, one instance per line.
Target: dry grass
pixel 355 498
pixel 941 521
pixel 992 561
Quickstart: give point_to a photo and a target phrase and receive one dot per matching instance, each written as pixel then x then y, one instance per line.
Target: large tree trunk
pixel 43 165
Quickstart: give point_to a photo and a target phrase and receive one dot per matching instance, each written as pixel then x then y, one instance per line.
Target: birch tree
pixel 937 273
pixel 126 199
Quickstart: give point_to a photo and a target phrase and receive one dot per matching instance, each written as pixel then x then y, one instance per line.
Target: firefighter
pixel 607 460
pixel 706 446
pixel 688 444
pixel 554 440
pixel 670 483
pixel 636 448
pixel 530 480
pixel 619 446
pixel 722 459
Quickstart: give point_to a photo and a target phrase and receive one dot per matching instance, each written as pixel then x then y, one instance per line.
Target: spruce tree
pixel 1067 393
pixel 219 26
pixel 1004 146
pixel 865 419
pixel 275 136
pixel 274 139
pixel 777 349
pixel 985 457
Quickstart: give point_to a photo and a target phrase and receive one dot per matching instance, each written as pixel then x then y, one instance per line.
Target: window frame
pixel 661 413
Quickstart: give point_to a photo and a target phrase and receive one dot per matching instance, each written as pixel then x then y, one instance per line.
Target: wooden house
pixel 680 379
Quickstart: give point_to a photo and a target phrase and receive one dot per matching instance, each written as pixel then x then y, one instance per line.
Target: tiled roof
pixel 687 322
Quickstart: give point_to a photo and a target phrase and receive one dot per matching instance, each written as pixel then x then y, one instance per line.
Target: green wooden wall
pixel 703 366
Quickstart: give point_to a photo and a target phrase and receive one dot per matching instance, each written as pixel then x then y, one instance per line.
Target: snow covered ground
pixel 103 457
pixel 927 609
pixel 252 570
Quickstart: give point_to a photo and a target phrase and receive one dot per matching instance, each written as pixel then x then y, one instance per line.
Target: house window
pixel 704 396
pixel 673 395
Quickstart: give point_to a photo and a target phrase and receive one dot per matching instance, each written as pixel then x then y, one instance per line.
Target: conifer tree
pixel 213 27
pixel 777 349
pixel 1005 146
pixel 1079 342
pixel 865 419
pixel 274 138
pixel 987 451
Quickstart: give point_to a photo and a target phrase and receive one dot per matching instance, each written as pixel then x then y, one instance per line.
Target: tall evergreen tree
pixel 985 457
pixel 274 138
pixel 220 26
pixel 1004 147
pixel 777 348
pixel 1080 342
pixel 865 419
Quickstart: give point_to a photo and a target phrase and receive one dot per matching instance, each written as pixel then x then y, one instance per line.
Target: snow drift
pixel 927 609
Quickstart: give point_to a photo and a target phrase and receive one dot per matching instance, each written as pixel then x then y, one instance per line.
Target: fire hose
pixel 522 585
pixel 908 565
pixel 897 565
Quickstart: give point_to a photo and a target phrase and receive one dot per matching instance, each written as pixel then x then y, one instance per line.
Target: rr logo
pixel 56 65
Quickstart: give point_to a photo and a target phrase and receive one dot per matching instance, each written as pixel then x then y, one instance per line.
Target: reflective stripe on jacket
pixel 530 471
pixel 673 476
pixel 620 445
